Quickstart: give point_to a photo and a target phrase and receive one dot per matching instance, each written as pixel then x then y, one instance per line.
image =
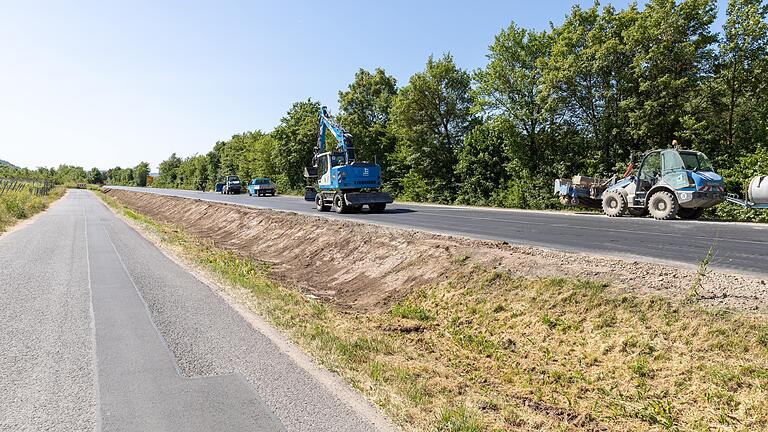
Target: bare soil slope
pixel 368 267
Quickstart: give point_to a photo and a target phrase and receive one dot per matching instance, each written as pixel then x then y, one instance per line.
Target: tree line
pixel 578 98
pixel 581 97
pixel 69 174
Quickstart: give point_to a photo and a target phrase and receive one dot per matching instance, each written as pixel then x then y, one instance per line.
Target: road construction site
pixel 443 329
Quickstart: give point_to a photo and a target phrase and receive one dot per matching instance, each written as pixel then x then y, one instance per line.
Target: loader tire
pixel 320 204
pixel 339 205
pixel 614 203
pixel 663 205
pixel 690 213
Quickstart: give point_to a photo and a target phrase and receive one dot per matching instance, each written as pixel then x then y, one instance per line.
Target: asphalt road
pixel 101 331
pixel 741 248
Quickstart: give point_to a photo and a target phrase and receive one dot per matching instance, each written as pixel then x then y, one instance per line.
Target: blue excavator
pixel 341 183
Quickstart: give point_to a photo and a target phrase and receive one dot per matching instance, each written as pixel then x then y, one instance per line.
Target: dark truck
pixel 231 185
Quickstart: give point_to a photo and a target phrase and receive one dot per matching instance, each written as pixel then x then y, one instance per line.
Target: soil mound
pixel 367 267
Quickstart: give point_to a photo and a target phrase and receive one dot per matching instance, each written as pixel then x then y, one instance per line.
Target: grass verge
pixel 19 205
pixel 487 351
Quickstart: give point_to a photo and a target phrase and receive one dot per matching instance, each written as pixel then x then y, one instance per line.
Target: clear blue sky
pixel 105 83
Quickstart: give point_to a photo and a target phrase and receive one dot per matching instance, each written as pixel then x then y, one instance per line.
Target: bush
pixel 21 205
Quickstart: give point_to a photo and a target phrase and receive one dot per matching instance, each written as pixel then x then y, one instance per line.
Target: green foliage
pixel 136 176
pixel 140 172
pixel 409 310
pixel 365 111
pixel 169 172
pixel 69 174
pixel 458 420
pixel 296 137
pixel 21 204
pixel 579 98
pixel 431 116
pixel 95 176
pixel 739 95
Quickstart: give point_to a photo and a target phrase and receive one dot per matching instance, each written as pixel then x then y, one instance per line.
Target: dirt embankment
pixel 367 267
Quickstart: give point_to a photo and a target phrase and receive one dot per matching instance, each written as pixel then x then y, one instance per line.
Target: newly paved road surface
pixel 99 330
pixel 738 247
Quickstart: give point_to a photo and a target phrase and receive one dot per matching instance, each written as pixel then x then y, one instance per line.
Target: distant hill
pixel 6 163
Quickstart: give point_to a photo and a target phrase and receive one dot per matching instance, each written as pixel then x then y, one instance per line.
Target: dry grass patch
pixel 487 350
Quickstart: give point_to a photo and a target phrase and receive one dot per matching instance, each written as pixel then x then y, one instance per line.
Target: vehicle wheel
pixel 377 207
pixel 690 213
pixel 638 211
pixel 319 204
pixel 663 205
pixel 339 205
pixel 614 203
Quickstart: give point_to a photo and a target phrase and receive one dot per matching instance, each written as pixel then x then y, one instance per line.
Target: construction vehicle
pixel 341 183
pixel 669 183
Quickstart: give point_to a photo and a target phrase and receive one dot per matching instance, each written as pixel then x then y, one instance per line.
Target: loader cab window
pixel 651 169
pixel 673 169
pixel 696 161
pixel 322 165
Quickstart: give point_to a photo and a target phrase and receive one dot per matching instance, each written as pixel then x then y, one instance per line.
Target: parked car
pixel 261 186
pixel 231 185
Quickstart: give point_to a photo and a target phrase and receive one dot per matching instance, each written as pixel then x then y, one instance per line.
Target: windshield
pixel 696 162
pixel 337 159
pixel 673 169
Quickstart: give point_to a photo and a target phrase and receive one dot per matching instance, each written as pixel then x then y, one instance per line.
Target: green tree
pixel 430 117
pixel 194 173
pixel 482 163
pixel 169 172
pixel 140 173
pixel 510 88
pixel 296 138
pixel 70 174
pixel 95 176
pixel 672 47
pixel 741 74
pixel 588 78
pixel 262 159
pixel 365 107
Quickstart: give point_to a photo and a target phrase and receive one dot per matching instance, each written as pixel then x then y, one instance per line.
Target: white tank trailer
pixel 758 190
pixel 757 194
